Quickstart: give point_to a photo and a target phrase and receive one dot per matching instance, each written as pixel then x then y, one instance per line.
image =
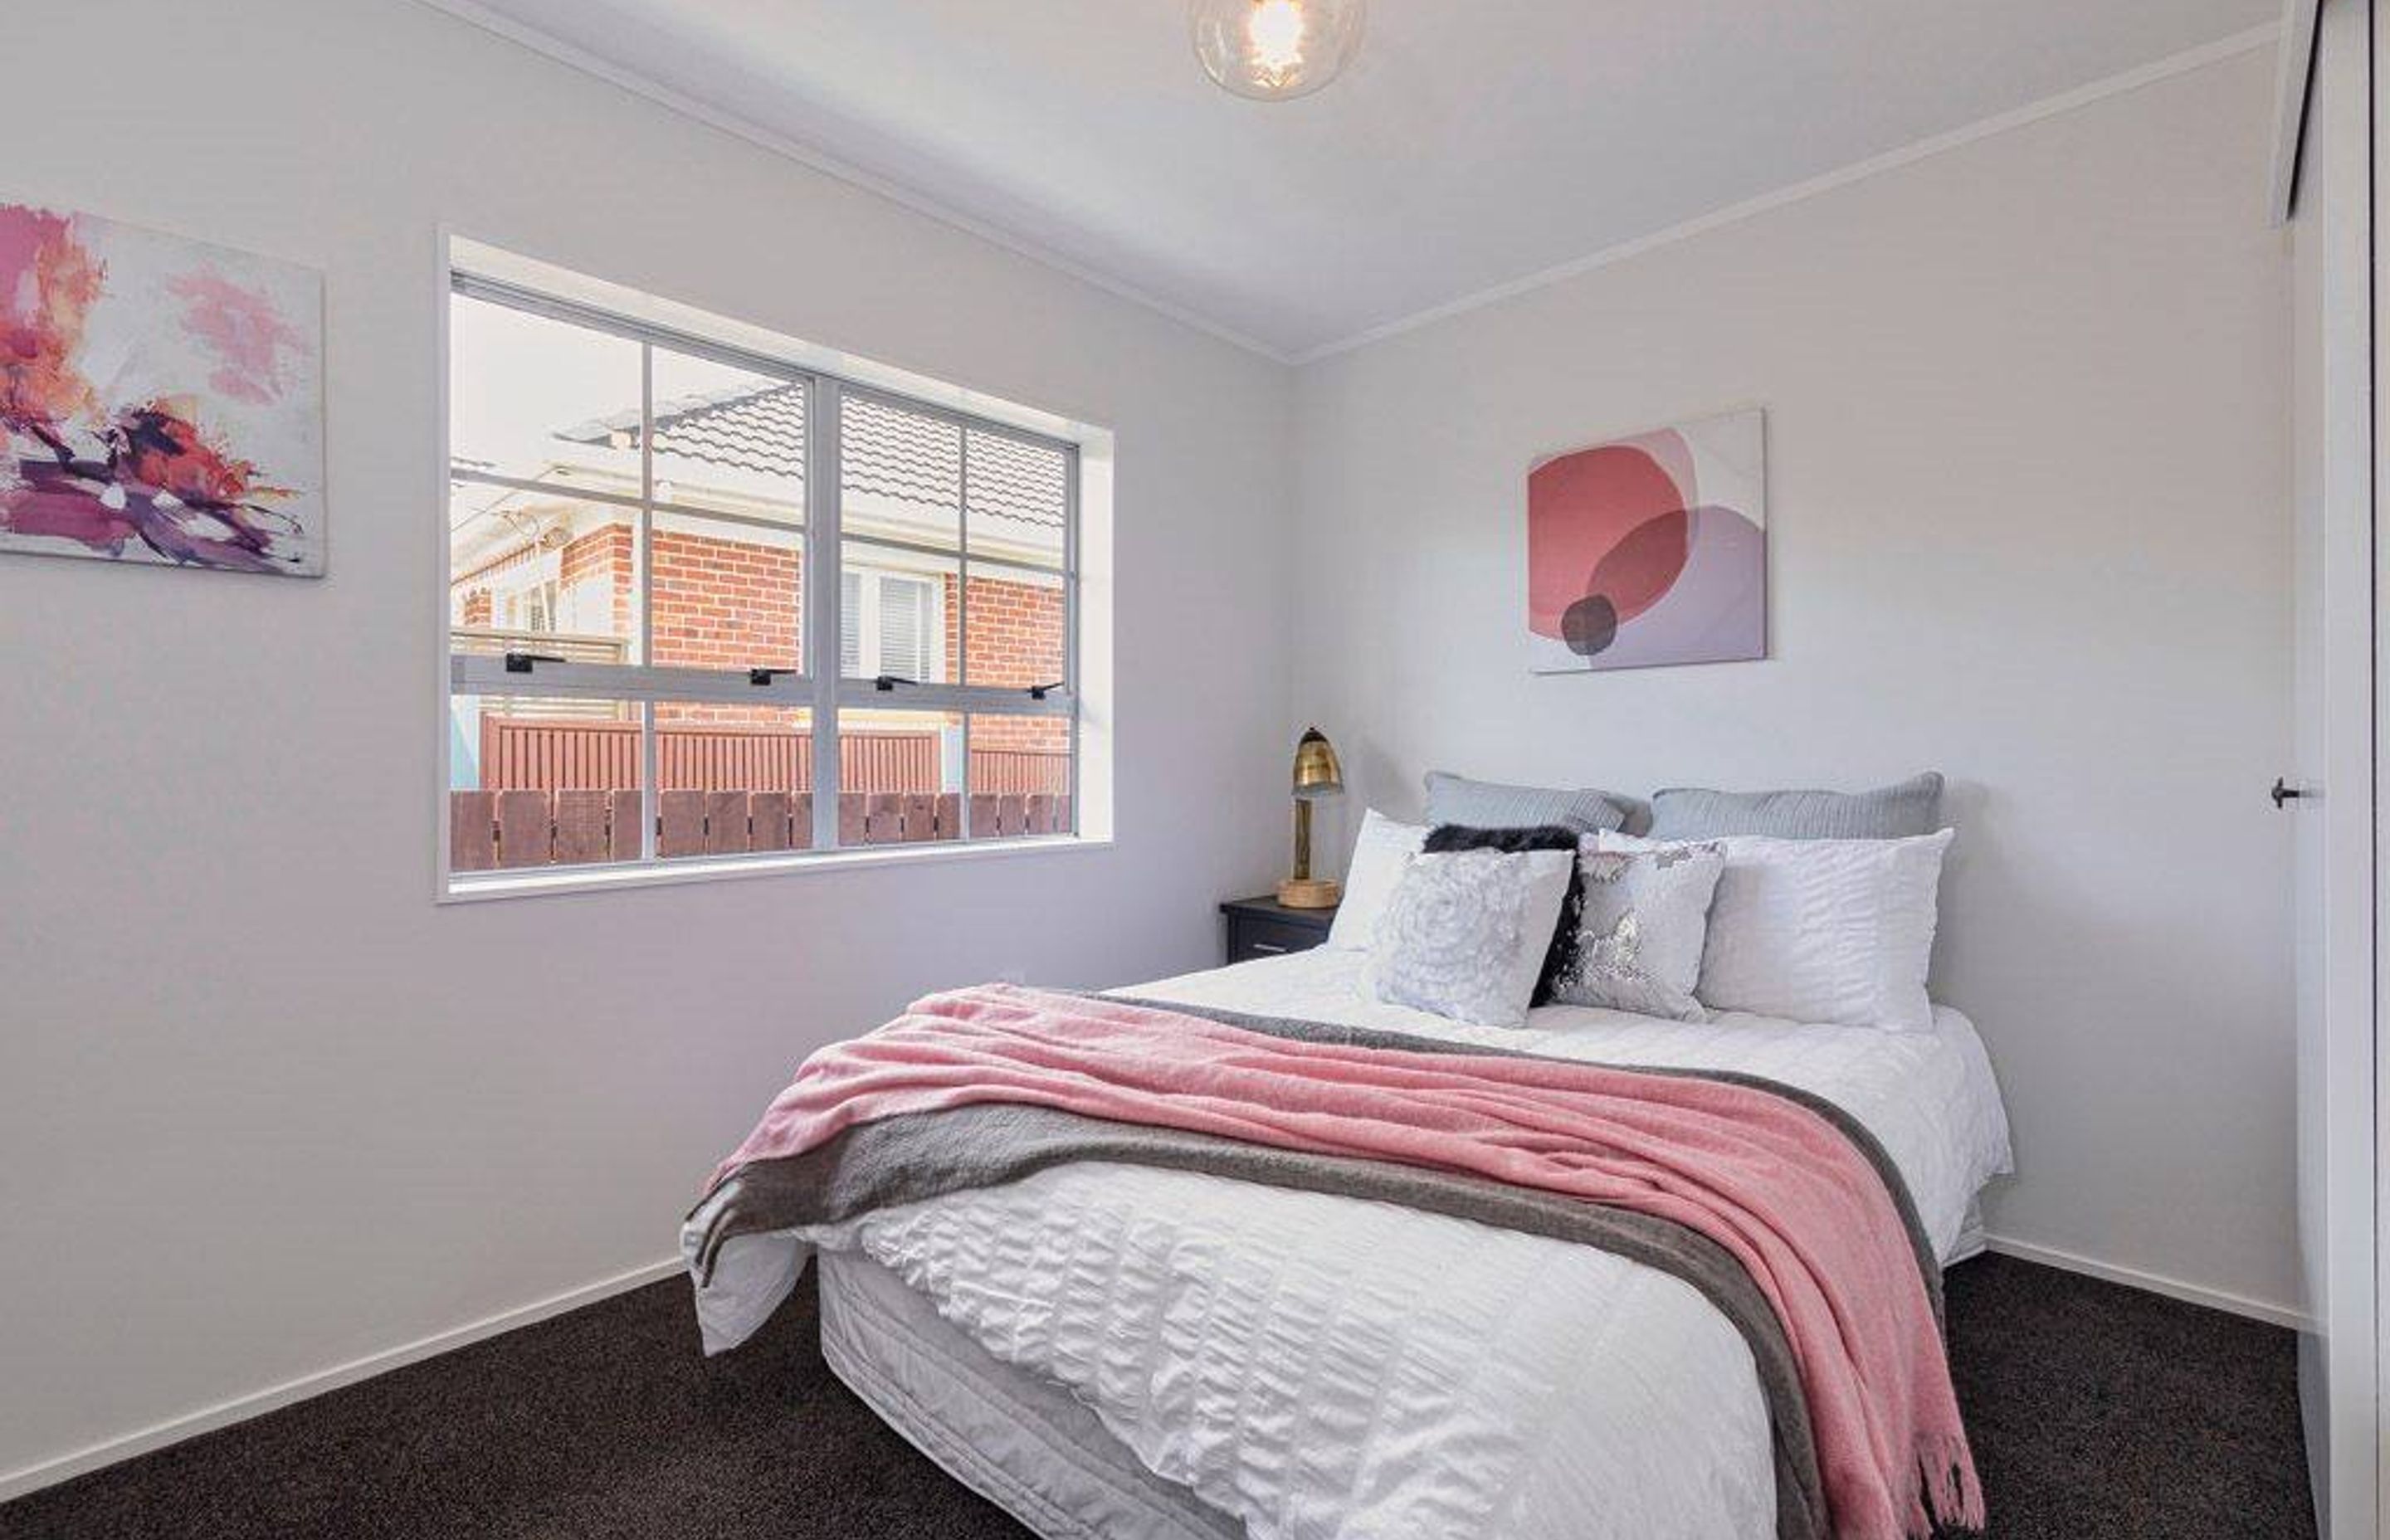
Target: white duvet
pixel 1324 1366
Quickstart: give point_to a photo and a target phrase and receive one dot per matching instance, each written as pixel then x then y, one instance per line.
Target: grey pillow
pixel 1902 811
pixel 1488 804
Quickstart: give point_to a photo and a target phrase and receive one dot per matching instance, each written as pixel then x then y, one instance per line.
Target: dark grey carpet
pixel 2096 1411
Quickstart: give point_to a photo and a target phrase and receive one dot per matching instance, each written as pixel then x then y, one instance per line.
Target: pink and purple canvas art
pixel 160 399
pixel 1650 550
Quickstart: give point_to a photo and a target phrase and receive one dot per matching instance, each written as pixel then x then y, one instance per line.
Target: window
pixel 707 603
pixel 890 622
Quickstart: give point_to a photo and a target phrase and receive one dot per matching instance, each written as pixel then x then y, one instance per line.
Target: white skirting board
pixel 239 1409
pixel 2154 1283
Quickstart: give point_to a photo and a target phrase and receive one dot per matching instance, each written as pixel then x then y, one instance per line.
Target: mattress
pixel 1116 1350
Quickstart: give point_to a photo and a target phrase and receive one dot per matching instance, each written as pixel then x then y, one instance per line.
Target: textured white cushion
pixel 1380 853
pixel 1829 930
pixel 1467 931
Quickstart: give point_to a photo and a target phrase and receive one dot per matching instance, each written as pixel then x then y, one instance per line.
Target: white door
pixel 2328 790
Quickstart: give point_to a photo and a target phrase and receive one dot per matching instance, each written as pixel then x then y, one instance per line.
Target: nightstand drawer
pixel 1250 936
pixel 1263 927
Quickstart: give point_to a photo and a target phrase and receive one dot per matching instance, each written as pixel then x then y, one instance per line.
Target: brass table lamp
pixel 1316 774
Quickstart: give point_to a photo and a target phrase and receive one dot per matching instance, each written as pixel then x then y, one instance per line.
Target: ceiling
pixel 1473 142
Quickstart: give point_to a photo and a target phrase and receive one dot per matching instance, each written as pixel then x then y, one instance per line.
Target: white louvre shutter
pixel 850 624
pixel 904 627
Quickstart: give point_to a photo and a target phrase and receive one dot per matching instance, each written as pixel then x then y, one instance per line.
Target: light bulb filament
pixel 1275 33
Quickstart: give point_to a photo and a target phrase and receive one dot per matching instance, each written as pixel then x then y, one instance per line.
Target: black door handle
pixel 2282 792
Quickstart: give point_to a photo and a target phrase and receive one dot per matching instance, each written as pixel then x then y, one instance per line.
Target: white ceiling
pixel 1473 144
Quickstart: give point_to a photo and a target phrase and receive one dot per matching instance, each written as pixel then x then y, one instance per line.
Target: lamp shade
pixel 1317 773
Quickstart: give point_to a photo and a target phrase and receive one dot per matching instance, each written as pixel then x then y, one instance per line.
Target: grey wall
pixel 2028 472
pixel 265 1109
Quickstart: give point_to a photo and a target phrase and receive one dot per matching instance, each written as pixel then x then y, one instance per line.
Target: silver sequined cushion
pixel 1465 934
pixel 1638 945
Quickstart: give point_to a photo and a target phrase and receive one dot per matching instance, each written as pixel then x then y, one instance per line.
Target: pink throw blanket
pixel 1775 1184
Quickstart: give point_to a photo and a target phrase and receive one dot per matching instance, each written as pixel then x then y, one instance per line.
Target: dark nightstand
pixel 1265 927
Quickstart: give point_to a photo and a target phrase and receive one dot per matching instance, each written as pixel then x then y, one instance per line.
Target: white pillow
pixel 1466 932
pixel 1382 850
pixel 1837 930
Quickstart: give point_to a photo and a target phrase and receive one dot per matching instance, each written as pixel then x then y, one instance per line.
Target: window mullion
pixel 1070 613
pixel 651 798
pixel 824 559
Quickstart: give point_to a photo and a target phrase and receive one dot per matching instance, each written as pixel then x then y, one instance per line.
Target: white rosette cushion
pixel 1465 933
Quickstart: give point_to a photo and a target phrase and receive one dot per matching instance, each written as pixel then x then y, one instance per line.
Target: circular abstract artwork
pixel 1650 550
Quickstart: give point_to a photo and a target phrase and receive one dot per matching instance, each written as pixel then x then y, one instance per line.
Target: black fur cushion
pixel 1446 838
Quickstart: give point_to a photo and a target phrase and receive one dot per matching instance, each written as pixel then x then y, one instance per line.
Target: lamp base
pixel 1311 893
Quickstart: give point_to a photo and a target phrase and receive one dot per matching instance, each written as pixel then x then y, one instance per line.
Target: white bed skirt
pixel 1022 1442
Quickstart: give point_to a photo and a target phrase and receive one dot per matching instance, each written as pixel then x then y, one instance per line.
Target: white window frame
pixel 820 690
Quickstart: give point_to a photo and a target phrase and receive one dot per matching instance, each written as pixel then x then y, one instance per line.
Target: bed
pixel 1118 1350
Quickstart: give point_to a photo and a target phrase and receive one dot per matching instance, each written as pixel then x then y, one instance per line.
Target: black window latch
pixel 1038 692
pixel 886 684
pixel 761 677
pixel 521 662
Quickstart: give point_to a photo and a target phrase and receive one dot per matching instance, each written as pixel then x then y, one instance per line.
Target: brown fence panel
pixel 851 817
pixel 545 753
pixel 581 826
pixel 920 817
pixel 1021 770
pixel 680 823
pixel 883 817
pixel 767 820
pixel 800 821
pixel 706 757
pixel 950 815
pixel 548 753
pixel 472 830
pixel 526 820
pixel 629 810
pixel 888 762
pixel 726 823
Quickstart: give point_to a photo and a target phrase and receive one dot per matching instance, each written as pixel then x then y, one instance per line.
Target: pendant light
pixel 1272 50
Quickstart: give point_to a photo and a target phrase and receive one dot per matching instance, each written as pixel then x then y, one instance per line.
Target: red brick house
pixel 555 569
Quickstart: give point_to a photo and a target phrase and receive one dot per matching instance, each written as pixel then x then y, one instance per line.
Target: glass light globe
pixel 1274 49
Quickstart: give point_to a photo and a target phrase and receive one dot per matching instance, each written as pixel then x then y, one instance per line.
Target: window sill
pixel 482 887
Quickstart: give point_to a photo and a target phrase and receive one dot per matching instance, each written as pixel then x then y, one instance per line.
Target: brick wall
pixel 1017 640
pixel 728 603
pixel 602 555
pixel 724 603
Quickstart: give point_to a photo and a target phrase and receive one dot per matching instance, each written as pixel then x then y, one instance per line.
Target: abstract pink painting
pixel 160 400
pixel 1650 550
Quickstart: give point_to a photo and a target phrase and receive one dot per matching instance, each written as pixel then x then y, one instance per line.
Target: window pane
pixel 897 614
pixel 542 401
pixel 542 782
pixel 532 573
pixel 901 474
pixel 1017 500
pixel 727 440
pixel 727 595
pixel 901 777
pixel 1014 622
pixel 732 779
pixel 1019 775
